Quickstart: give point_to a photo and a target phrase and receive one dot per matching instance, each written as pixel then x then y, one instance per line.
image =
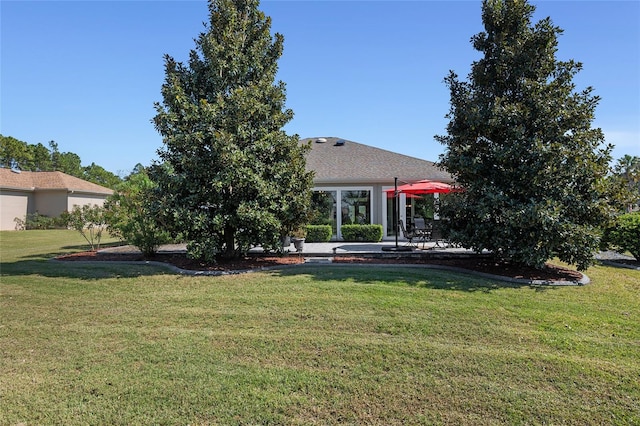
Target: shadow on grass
pixel 68 250
pixel 79 270
pixel 422 276
pixel 85 247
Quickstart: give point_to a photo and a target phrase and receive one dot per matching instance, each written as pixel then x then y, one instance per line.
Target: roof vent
pixel 321 140
pixel 339 142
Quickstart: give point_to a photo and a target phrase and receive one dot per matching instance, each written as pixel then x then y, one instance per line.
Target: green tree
pixel 521 144
pixel 138 168
pixel 624 234
pixel 100 176
pixel 65 162
pixel 54 155
pixel 231 178
pixel 40 159
pixel 89 221
pixel 132 214
pixel 14 153
pixel 626 180
pixel 70 164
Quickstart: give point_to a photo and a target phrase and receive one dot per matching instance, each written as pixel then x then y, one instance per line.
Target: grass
pixel 128 344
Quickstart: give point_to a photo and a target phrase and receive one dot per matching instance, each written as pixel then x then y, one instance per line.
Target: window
pixel 355 207
pixel 323 209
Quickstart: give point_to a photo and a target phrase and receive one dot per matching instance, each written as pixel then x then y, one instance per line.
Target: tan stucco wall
pixel 50 203
pixel 13 204
pixel 84 199
pixel 16 203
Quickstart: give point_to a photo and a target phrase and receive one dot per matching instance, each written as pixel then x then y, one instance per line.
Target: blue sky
pixel 86 73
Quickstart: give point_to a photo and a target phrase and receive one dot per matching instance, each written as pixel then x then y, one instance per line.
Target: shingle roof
pixel 337 160
pixel 32 181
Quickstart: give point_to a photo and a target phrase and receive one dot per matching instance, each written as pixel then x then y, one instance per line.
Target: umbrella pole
pixel 396 211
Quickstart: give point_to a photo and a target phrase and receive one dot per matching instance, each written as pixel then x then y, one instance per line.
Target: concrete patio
pixel 382 249
pixel 336 248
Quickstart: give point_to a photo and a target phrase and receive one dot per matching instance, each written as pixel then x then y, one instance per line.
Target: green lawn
pixel 129 344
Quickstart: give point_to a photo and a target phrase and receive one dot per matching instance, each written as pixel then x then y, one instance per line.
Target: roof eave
pixel 17 188
pixel 87 192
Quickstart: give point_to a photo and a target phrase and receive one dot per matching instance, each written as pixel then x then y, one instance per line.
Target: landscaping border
pixel 329 262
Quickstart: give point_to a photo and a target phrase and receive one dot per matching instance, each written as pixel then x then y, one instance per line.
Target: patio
pixel 332 248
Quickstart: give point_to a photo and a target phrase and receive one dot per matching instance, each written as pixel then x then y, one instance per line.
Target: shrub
pixel 132 213
pixel 371 233
pixel 624 235
pixel 318 233
pixel 39 221
pixel 89 221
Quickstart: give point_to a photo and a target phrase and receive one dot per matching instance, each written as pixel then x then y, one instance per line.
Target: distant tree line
pixel 16 154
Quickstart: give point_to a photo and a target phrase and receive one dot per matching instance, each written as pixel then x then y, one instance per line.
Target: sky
pixel 86 74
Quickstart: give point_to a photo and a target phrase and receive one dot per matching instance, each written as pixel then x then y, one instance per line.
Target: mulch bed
pixel 480 264
pixel 488 266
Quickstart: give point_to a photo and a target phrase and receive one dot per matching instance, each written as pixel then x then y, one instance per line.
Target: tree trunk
pixel 229 242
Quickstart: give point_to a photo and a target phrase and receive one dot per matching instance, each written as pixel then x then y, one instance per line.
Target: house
pixel 351 179
pixel 349 187
pixel 47 193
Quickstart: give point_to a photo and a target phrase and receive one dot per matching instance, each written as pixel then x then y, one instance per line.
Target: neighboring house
pixel 350 179
pixel 47 193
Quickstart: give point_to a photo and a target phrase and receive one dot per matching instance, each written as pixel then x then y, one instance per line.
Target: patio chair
pixel 419 223
pixel 421 230
pixel 437 235
pixel 409 236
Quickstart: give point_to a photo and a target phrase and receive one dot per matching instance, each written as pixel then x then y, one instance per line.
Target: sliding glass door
pixel 356 207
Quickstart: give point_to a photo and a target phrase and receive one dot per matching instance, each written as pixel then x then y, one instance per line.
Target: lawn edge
pixel 560 283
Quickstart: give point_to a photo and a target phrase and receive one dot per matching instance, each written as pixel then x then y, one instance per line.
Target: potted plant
pixel 285 239
pixel 298 239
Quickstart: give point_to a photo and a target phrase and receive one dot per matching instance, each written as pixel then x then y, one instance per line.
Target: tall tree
pixel 520 142
pixel 66 162
pixel 626 179
pixel 54 154
pixel 14 153
pixel 41 159
pixel 231 177
pixel 98 175
pixel 70 164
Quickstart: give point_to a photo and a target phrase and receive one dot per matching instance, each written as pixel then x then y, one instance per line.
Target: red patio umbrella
pixel 390 194
pixel 413 190
pixel 424 187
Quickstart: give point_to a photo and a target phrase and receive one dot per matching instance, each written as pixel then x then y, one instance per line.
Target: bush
pixel 132 212
pixel 370 233
pixel 624 235
pixel 39 221
pixel 89 221
pixel 318 233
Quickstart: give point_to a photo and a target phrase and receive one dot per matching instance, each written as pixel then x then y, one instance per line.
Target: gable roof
pixel 337 160
pixel 34 181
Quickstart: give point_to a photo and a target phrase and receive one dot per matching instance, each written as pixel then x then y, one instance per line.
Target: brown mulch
pixel 480 264
pixel 489 266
